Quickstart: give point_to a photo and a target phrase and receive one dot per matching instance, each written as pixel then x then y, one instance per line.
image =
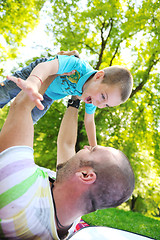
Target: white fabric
pixel 26 205
pixel 105 233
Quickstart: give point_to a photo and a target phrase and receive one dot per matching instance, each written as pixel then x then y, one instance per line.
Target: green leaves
pixel 104 30
pixel 46 132
pixel 106 33
pixel 17 18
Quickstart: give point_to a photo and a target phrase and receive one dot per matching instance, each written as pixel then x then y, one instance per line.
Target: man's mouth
pixel 88 100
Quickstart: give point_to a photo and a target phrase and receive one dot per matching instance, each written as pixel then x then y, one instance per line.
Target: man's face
pixel 97 153
pixel 100 94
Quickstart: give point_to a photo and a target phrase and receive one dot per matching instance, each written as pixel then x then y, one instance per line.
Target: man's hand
pixel 30 88
pixel 33 83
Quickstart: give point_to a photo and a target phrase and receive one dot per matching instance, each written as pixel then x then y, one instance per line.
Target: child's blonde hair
pixel 120 76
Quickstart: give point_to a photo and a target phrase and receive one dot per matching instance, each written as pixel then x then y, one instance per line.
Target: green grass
pixel 125 220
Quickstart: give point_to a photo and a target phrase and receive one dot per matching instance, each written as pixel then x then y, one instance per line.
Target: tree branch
pixel 104 41
pixel 152 62
pixel 114 55
pixel 118 45
pixel 90 48
pixel 68 23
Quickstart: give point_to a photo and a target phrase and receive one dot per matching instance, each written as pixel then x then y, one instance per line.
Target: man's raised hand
pixel 30 88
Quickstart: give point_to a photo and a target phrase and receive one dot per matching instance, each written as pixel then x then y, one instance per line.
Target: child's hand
pixel 67 73
pixel 30 88
pixel 69 53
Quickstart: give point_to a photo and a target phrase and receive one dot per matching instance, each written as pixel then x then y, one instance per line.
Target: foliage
pixel 100 27
pixel 121 32
pixel 17 18
pixel 46 132
pixel 108 33
pixel 125 220
pixel 3 115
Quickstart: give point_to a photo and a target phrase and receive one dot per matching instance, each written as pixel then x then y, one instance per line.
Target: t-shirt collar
pixel 82 81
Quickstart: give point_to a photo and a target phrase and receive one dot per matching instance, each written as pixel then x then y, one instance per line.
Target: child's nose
pixel 101 105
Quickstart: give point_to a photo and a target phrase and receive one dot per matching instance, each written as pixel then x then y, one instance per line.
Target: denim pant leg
pixel 8 90
pixel 36 113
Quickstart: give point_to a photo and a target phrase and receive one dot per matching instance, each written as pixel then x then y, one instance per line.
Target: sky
pixel 38 40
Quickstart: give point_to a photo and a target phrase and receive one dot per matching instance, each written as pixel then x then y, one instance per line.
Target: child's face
pixel 100 94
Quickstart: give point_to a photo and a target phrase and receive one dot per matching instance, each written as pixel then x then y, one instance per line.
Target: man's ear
pixel 99 75
pixel 87 176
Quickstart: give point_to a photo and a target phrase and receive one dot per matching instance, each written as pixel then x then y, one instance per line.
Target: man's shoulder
pixel 50 173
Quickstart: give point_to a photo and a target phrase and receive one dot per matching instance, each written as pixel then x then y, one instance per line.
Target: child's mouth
pixel 88 100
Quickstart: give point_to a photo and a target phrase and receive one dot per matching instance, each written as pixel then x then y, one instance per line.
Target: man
pixel 35 206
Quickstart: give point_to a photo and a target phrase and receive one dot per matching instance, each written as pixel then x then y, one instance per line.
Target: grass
pixel 125 220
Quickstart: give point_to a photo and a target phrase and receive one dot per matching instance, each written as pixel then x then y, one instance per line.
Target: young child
pixel 73 76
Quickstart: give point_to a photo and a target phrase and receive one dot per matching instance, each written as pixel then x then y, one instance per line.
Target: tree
pixel 17 18
pixel 46 132
pixel 121 32
pixel 110 33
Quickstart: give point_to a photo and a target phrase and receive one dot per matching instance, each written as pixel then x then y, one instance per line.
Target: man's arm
pixel 18 128
pixel 67 136
pixel 90 129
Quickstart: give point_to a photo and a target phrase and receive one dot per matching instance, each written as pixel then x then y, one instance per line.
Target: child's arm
pixel 38 75
pixel 90 129
pixel 45 69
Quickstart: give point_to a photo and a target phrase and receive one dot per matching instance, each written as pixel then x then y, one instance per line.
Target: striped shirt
pixel 26 206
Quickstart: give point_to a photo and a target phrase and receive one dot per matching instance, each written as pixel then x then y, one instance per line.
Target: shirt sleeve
pixel 67 63
pixel 90 108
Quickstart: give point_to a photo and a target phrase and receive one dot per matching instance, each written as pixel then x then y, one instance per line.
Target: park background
pixel 106 33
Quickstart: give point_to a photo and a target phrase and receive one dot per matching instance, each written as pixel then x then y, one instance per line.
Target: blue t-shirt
pixel 63 86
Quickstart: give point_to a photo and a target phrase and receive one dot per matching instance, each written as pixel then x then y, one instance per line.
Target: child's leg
pixel 36 113
pixel 8 90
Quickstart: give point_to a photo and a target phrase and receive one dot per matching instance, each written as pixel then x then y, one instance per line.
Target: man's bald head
pixel 114 182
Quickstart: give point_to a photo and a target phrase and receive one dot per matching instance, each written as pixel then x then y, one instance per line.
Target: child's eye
pixel 102 95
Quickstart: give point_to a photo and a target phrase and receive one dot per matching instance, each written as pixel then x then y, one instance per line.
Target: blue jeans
pixel 9 90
